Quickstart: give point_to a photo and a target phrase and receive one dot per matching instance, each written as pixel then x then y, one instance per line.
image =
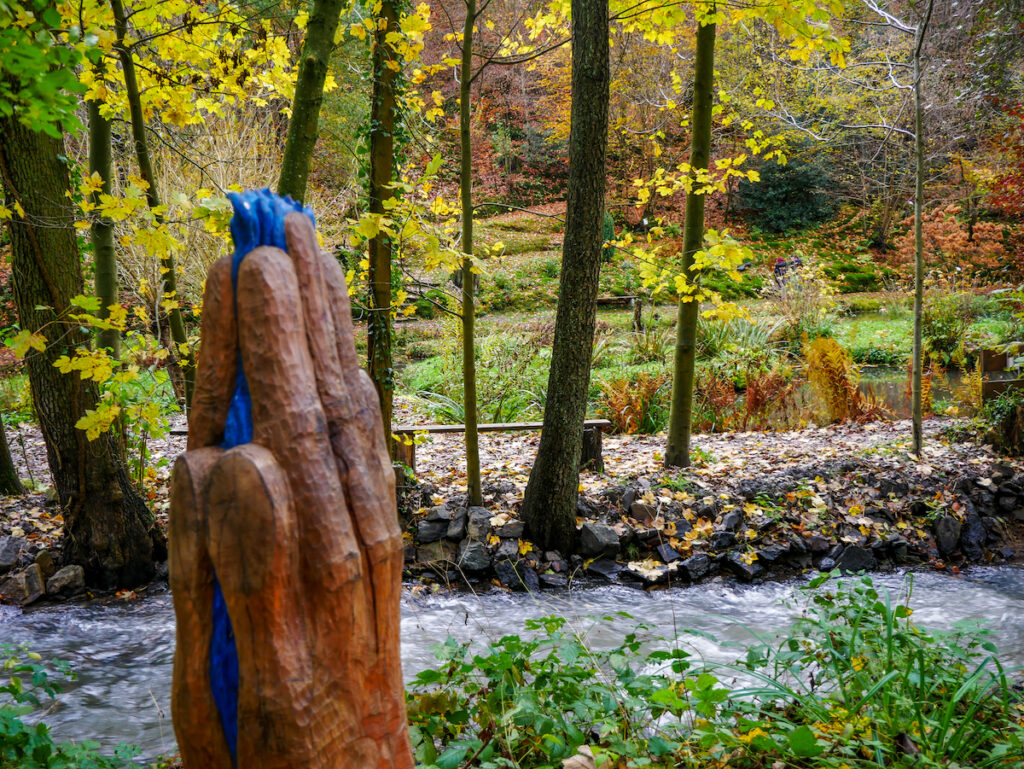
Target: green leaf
pixel 451 758
pixel 803 743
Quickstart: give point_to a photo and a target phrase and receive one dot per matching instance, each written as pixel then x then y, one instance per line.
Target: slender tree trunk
pixel 181 353
pixel 677 453
pixel 382 160
pixel 919 157
pixel 468 310
pixel 102 231
pixel 10 484
pixel 107 527
pixel 549 503
pixel 309 96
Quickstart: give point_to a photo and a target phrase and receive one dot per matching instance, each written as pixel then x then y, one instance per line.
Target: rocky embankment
pixel 873 512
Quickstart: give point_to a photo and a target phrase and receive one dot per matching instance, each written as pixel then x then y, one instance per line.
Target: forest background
pixel 812 157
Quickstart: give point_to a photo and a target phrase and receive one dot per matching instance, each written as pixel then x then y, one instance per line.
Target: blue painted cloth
pixel 258 221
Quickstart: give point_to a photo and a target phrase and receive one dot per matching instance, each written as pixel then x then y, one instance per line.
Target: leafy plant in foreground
pixel 25 746
pixel 853 684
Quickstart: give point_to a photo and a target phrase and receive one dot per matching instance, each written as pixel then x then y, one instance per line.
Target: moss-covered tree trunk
pixel 382 162
pixel 102 230
pixel 9 482
pixel 677 454
pixel 181 353
pixel 468 308
pixel 549 504
pixel 309 97
pixel 107 527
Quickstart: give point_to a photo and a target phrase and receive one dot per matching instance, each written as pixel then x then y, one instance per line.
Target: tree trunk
pixel 181 355
pixel 102 231
pixel 106 524
pixel 468 310
pixel 10 484
pixel 677 453
pixel 309 96
pixel 549 503
pixel 918 351
pixel 382 158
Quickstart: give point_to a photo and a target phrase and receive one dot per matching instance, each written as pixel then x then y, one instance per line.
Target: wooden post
pixel 286 552
pixel 590 454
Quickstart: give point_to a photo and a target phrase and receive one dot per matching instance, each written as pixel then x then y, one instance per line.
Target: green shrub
pixel 878 356
pixel 22 746
pixel 788 197
pixel 551 267
pixel 944 326
pixel 861 305
pixel 15 399
pixel 854 683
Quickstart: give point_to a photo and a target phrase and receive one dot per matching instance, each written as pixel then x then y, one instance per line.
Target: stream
pixel 123 652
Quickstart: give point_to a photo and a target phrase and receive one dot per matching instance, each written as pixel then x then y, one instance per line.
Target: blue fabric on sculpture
pixel 258 221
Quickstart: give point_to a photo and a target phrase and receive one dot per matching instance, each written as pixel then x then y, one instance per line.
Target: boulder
pixel 745 571
pixel 818 544
pixel 473 555
pixel 731 520
pixel 439 513
pixel 772 553
pixel 513 529
pixel 529 576
pixel 722 540
pixel 606 568
pixel 431 531
pixel 67 581
pixel 479 524
pixel 10 549
pixel 667 553
pixel 696 566
pixel 24 587
pixel 554 580
pixel 516 575
pixel 597 540
pixel 435 552
pixel 629 496
pixel 457 524
pixel 46 563
pixel 643 511
pixel 854 559
pixel 947 534
pixel 972 537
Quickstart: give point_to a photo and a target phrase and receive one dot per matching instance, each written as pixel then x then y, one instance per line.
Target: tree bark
pixel 181 354
pixel 549 503
pixel 677 454
pixel 918 352
pixel 382 160
pixel 102 231
pixel 107 527
pixel 309 97
pixel 468 309
pixel 10 484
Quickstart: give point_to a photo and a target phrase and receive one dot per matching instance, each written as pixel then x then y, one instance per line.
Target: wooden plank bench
pixel 590 455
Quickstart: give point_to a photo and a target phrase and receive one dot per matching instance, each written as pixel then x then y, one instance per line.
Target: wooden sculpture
pixel 285 546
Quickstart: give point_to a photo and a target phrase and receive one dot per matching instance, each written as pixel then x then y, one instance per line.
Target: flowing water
pixel 122 652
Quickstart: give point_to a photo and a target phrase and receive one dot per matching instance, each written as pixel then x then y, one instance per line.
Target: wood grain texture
pixel 300 526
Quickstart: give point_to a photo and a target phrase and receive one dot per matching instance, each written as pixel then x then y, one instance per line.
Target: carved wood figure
pixel 285 546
